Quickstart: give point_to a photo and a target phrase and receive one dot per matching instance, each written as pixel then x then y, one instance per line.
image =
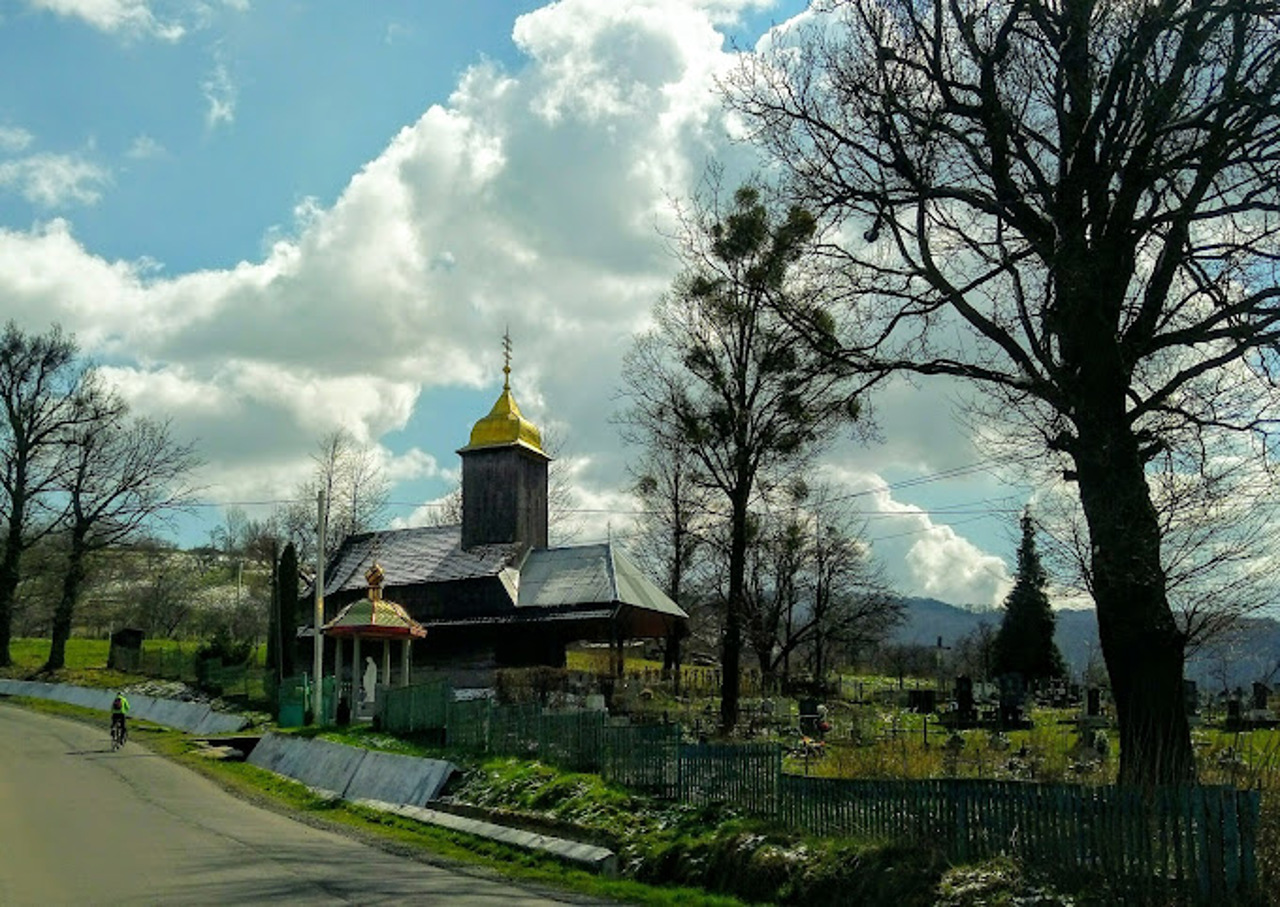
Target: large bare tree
pixel 1074 206
pixel 41 378
pixel 123 475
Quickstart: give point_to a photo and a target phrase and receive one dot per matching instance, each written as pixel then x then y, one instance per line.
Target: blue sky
pixel 272 219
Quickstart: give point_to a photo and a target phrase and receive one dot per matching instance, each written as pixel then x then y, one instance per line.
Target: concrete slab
pixel 220 723
pixel 29 688
pixel 267 754
pixel 185 716
pixel 399 779
pixel 585 856
pixel 319 763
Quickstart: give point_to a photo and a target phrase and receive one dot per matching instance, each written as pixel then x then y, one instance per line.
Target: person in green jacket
pixel 119 708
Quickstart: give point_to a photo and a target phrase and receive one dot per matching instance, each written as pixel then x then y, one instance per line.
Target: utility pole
pixel 317 696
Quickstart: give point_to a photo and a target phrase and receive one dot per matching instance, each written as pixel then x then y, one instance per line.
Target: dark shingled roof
pixel 427 554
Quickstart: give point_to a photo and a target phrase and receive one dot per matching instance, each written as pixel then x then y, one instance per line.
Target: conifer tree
pixel 1024 644
pixel 288 624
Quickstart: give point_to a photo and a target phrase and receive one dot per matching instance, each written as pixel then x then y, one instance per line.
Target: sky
pixel 270 220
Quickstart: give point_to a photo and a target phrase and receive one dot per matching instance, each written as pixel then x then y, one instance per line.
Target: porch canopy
pixel 373 618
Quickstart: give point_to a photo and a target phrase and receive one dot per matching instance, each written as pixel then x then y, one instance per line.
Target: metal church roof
pixel 578 574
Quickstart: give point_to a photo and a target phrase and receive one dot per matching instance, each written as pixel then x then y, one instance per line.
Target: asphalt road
pixel 81 825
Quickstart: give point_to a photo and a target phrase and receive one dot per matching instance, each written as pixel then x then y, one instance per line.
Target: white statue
pixel 370 680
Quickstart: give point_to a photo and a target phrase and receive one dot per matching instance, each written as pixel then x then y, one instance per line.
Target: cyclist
pixel 119 708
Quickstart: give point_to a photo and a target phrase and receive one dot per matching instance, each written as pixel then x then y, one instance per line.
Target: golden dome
pixel 505 425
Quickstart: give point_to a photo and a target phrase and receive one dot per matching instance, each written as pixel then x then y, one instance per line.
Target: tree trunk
pixel 9 573
pixel 63 614
pixel 671 661
pixel 8 593
pixel 1141 642
pixel 731 660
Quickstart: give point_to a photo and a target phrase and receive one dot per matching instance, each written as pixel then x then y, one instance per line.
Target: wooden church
pixel 490 593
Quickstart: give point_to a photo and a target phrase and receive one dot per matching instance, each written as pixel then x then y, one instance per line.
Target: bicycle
pixel 119 734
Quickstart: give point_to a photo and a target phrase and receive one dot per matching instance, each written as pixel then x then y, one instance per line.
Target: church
pixel 489 592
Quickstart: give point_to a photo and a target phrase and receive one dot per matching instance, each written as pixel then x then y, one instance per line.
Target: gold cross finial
pixel 506 365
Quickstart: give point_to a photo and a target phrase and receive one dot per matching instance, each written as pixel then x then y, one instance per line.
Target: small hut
pixel 371 618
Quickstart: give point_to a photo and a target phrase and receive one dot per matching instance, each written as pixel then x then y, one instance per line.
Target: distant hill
pixel 1252 654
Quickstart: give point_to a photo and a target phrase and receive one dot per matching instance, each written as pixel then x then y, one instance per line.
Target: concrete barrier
pixel 268 752
pixel 351 772
pixel 192 717
pixel 586 856
pixel 316 763
pixel 398 779
pixel 219 723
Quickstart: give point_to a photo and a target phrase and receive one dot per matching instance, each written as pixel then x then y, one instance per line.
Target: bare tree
pixel 41 379
pixel 123 475
pixel 718 377
pixel 674 501
pixel 1074 207
pixel 355 494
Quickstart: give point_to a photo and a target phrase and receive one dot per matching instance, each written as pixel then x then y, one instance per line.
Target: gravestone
pixel 809 717
pixel 966 711
pixel 1258 701
pixel 125 653
pixel 922 702
pixel 1234 713
pixel 1093 702
pixel 1013 693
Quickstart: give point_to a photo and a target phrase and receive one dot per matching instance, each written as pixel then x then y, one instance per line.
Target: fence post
pixel 1249 802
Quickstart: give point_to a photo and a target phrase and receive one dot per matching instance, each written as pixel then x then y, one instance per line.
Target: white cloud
pixel 55 180
pixel 14 138
pixel 125 17
pixel 924 556
pixel 144 147
pixel 534 199
pixel 220 94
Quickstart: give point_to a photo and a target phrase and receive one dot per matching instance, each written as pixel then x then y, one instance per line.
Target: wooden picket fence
pixel 747 775
pixel 1194 841
pixel 1189 842
pixel 643 757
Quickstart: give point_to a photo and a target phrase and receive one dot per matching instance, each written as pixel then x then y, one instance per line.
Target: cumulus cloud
pixel 144 147
pixel 14 138
pixel 220 95
pixel 534 199
pixel 132 18
pixel 55 180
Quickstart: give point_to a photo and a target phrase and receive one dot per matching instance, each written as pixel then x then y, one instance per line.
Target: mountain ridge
pixel 1252 653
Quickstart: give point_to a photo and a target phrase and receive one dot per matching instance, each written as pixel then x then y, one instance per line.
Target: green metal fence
pixel 421 707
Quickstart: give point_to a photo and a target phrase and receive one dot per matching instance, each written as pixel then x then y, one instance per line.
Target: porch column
pixel 357 675
pixel 405 660
pixel 337 672
pixel 386 662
